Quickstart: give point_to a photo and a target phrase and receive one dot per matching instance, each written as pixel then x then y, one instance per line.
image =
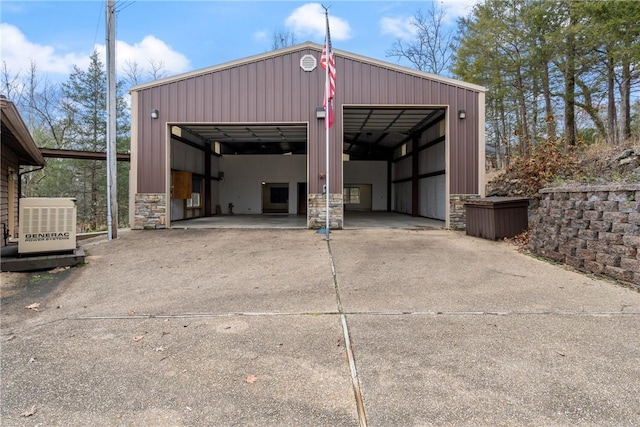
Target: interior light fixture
pixel 154 114
pixel 462 114
pixel 320 113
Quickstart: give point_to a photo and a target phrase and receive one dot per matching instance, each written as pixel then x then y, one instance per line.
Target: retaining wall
pixel 594 228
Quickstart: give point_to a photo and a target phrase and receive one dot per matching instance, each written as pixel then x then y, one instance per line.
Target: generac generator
pixel 47 225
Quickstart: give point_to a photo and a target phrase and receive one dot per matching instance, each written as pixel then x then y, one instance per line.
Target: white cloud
pixel 458 8
pixel 18 52
pixel 149 49
pixel 309 21
pixel 399 27
pixel 261 36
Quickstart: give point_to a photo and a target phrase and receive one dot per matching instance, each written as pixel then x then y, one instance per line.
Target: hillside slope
pixel 550 166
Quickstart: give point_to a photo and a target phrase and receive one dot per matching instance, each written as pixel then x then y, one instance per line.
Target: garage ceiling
pixel 253 138
pixel 369 133
pixel 373 133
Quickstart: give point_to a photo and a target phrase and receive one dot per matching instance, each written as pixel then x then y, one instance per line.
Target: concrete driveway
pixel 277 327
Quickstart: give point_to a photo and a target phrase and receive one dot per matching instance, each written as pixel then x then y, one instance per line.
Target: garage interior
pixel 258 172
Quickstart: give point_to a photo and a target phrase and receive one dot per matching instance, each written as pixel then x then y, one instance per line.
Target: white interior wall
pixel 187 158
pixel 244 174
pixel 432 197
pixel 401 198
pixel 369 172
pixel 433 189
pixel 432 159
pixel 215 185
pixel 184 158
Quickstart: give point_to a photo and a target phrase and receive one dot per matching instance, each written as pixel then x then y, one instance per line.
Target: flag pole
pixel 327 111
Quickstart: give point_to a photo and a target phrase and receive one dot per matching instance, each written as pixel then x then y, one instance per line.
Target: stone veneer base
pixel 457 210
pixel 317 211
pixel 150 211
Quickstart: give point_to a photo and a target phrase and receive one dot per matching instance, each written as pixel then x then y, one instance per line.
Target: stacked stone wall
pixel 150 211
pixel 317 217
pixel 592 228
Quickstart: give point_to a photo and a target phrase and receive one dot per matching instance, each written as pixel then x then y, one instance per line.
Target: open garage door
pixel 222 170
pixel 400 153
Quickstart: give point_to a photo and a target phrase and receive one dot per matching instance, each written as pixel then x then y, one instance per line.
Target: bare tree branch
pixel 433 47
pixel 282 38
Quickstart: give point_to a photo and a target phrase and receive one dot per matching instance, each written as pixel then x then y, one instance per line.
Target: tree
pixel 495 50
pixel 86 93
pixel 135 74
pixel 282 38
pixel 433 46
pixel 73 116
pixel 578 60
pixel 11 84
pixel 613 35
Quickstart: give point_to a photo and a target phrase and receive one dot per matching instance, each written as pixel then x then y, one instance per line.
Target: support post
pixel 112 193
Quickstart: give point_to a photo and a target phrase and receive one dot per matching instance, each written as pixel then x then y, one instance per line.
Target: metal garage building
pixel 248 137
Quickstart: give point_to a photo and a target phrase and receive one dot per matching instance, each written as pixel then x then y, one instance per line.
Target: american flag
pixel 327 60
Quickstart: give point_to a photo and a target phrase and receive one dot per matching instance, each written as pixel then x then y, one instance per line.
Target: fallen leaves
pixel 521 241
pixel 33 306
pixel 29 412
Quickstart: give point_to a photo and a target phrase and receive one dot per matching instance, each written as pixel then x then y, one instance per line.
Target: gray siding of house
pixel 274 89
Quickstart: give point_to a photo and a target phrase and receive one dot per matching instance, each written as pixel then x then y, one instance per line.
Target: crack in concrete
pixel 362 417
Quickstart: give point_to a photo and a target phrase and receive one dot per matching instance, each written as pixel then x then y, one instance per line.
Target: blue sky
pixel 188 35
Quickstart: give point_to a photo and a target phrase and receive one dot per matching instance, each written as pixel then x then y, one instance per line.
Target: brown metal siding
pixel 276 89
pixel 362 83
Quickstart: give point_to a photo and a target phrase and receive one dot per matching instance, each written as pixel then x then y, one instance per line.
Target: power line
pixel 121 8
pixel 100 20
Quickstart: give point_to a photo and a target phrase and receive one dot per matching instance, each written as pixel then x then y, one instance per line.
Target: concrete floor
pixel 353 221
pixel 378 328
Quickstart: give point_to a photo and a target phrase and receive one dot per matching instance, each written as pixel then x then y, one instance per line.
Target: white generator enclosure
pixel 47 225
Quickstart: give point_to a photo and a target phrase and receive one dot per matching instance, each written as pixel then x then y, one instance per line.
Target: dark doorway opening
pixel 275 198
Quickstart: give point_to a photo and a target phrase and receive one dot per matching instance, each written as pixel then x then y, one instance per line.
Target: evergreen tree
pixel 577 60
pixel 73 116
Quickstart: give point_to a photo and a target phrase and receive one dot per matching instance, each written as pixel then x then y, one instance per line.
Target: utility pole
pixel 112 189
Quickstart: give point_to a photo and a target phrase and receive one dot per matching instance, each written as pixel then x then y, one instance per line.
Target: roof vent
pixel 308 62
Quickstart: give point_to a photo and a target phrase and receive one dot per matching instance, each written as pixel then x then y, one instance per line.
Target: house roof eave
pixel 13 121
